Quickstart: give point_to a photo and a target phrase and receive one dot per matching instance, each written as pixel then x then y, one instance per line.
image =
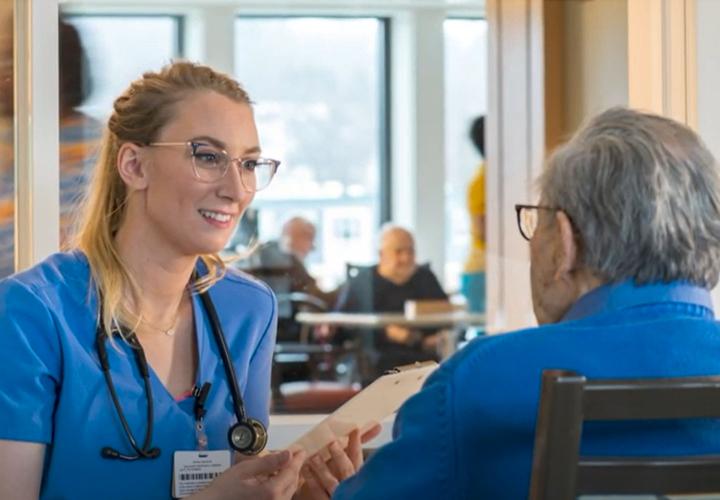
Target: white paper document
pixel 380 399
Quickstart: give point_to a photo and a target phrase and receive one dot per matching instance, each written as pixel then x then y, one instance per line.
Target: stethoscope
pixel 247 435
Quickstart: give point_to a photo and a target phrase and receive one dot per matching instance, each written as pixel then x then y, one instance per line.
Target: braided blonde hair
pixel 139 114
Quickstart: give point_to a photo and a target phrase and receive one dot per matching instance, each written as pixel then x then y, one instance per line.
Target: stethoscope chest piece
pixel 248 436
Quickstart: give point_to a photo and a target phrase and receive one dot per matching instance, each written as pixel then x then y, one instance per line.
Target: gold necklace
pixel 167 331
pixel 170 331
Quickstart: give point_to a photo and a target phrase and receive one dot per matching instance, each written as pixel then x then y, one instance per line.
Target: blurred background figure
pixel 79 134
pixel 473 277
pixel 281 263
pixel 7 184
pixel 79 137
pixel 386 287
pixel 298 237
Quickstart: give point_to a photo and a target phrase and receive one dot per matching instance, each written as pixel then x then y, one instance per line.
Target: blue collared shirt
pixel 469 432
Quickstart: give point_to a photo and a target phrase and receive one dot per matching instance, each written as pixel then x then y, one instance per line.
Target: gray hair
pixel 643 192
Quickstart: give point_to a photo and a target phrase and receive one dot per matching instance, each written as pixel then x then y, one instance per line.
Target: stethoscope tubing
pixel 147 451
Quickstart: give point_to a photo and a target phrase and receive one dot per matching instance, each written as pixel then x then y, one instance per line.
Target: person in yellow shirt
pixel 473 277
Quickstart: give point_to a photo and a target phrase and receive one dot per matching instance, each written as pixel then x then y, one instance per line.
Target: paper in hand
pixel 380 399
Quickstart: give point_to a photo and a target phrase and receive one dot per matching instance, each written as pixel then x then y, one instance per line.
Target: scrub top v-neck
pixel 53 391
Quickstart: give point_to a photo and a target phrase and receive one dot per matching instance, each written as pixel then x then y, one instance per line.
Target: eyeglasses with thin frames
pixel 527 218
pixel 210 164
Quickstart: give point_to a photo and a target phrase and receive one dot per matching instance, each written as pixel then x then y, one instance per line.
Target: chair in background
pixel 569 399
pixel 303 371
pixel 352 270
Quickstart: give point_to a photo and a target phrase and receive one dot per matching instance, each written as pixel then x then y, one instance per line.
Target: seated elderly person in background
pixel 624 248
pixel 297 240
pixel 281 264
pixel 385 288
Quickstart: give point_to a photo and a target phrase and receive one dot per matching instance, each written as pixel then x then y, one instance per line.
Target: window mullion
pixel 37 190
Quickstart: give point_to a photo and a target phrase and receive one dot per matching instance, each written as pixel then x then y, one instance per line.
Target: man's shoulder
pixel 270 255
pixel 491 346
pixel 424 273
pixel 612 347
pixel 508 354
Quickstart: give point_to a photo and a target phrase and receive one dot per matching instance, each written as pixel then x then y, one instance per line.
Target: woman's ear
pixel 567 259
pixel 131 165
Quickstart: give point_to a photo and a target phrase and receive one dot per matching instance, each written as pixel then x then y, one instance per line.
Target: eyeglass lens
pixel 211 164
pixel 528 221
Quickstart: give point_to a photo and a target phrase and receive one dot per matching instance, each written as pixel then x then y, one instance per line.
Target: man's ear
pixel 568 249
pixel 131 166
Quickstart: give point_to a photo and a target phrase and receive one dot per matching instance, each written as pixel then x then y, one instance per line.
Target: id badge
pixel 193 470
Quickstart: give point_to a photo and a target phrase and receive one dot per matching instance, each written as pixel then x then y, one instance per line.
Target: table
pixel 453 319
pixel 366 322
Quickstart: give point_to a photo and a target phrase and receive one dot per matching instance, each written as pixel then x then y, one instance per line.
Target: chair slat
pixel 652 399
pixel 568 400
pixel 648 475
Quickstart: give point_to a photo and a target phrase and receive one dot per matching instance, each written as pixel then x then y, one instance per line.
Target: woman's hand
pixel 271 477
pixel 320 477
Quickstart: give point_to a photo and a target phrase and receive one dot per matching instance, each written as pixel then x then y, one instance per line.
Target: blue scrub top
pixel 52 390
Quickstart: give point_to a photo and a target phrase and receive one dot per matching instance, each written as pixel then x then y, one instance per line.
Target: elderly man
pixel 624 246
pixel 280 264
pixel 298 237
pixel 284 258
pixel 385 288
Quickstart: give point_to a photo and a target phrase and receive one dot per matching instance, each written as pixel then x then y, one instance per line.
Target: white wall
pixel 515 144
pixel 708 82
pixel 596 48
pixel 708 73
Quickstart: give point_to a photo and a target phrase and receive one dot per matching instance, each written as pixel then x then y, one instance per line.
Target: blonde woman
pixel 131 366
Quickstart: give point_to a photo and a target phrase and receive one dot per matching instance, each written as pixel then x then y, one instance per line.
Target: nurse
pixel 113 380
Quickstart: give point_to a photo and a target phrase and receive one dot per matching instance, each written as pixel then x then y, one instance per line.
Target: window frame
pixel 179 19
pixel 384 102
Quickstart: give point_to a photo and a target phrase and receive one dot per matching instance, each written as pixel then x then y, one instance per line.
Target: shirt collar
pixel 626 294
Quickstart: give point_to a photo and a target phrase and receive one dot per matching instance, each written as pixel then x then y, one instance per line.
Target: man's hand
pixel 399 334
pixel 322 477
pixel 431 342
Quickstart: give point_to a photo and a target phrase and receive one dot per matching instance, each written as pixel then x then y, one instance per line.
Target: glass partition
pixel 321 92
pixel 99 56
pixel 7 174
pixel 119 48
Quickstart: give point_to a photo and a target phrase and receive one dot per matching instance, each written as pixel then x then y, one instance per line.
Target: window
pixel 99 56
pixel 465 99
pixel 319 110
pixel 119 48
